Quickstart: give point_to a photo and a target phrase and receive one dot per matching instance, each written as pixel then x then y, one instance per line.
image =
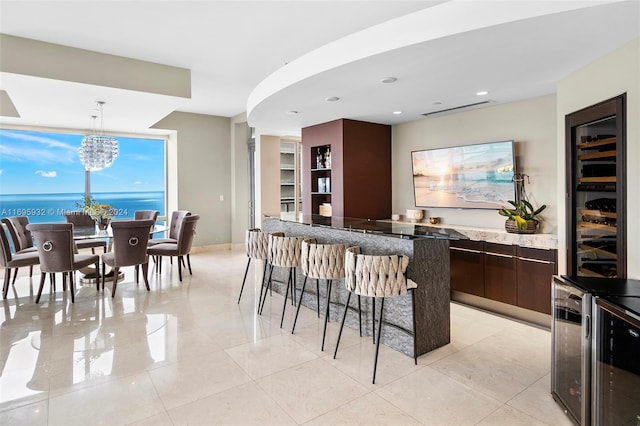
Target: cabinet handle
pixel 499 254
pixel 528 259
pixel 466 249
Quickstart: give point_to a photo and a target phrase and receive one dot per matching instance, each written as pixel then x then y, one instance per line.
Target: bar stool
pixel 322 262
pixel 257 247
pixel 377 276
pixel 284 252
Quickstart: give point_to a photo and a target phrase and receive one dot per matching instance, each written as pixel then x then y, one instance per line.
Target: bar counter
pixel 428 251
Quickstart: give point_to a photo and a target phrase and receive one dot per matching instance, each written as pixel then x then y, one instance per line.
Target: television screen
pixel 471 176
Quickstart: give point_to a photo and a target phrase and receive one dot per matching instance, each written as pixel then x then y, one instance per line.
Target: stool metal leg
pixel 413 314
pixel 373 320
pixel 344 315
pixel 360 315
pixel 266 288
pixel 244 279
pixel 375 362
pixel 326 315
pixel 304 283
pixel 284 306
pixel 318 295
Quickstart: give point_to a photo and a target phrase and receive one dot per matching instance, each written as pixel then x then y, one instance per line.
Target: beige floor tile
pixel 310 389
pixel 29 415
pixel 509 416
pixel 161 419
pixel 369 409
pixel 195 378
pixel 436 399
pixel 270 355
pixel 243 406
pixel 120 401
pixel 537 402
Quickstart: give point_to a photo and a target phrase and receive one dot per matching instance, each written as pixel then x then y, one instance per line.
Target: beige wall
pixel 616 73
pixel 240 195
pixel 267 175
pixel 531 123
pixel 203 151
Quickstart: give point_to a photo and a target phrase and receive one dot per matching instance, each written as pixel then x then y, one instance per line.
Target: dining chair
pixel 377 277
pixel 181 248
pixel 146 214
pixel 83 220
pixel 130 238
pixel 14 261
pixel 257 245
pixel 174 228
pixel 57 253
pixel 20 238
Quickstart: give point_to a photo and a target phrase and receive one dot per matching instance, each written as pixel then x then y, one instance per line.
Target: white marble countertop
pixel 500 236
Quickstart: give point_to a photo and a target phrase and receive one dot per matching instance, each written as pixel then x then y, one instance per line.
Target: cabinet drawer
pixel 494 248
pixel 548 256
pixel 467 245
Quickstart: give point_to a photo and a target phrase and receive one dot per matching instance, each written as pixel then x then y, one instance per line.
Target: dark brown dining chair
pixel 20 238
pixel 83 220
pixel 180 249
pixel 57 253
pixel 14 261
pixel 130 238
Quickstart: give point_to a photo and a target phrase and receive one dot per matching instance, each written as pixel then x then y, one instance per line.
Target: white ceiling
pixel 239 50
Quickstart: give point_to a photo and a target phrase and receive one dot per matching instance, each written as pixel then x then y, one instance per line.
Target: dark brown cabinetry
pixel 596 190
pixel 514 275
pixel 356 181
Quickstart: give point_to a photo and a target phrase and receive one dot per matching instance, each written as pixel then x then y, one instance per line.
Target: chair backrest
pixel 257 243
pixel 146 214
pixel 55 245
pixel 375 275
pixel 130 238
pixel 80 219
pixel 21 238
pixel 187 232
pixel 176 221
pixel 285 251
pixel 323 261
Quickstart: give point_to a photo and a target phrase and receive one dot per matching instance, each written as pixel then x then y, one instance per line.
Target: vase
pixel 510 226
pixel 103 223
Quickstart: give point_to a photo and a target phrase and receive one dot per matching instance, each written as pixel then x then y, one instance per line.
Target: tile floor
pixel 186 353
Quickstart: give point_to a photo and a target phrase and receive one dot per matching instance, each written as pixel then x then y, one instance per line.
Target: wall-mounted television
pixel 476 176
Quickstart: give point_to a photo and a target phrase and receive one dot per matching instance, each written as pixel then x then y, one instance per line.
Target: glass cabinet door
pixel 596 178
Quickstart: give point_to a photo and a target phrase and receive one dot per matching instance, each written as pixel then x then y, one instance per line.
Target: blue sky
pixel 38 162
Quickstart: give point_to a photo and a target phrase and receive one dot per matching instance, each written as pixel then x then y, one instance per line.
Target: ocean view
pixel 41 208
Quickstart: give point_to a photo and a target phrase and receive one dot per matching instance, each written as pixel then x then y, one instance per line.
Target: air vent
pixel 456 108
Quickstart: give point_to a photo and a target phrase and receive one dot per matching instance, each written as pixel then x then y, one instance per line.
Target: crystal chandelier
pixel 98 151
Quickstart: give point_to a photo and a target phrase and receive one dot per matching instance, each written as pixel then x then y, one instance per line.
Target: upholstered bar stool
pixel 257 247
pixel 283 252
pixel 322 262
pixel 378 277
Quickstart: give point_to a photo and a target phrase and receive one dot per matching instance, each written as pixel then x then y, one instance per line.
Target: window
pixel 41 175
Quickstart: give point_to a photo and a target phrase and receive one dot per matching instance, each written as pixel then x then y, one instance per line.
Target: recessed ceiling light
pixel 388 80
pixel 292 112
pixel 482 93
pixel 397 112
pixel 332 99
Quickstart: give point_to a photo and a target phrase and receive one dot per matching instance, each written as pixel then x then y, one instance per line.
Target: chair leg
pixel 104 276
pixel 72 288
pixel 7 280
pixel 98 276
pixel 42 276
pixel 284 307
pixel 373 319
pixel 64 281
pixel 344 315
pixel 360 315
pixel 375 361
pixel 266 290
pixel 136 273
pixel 115 281
pixel 30 271
pixel 189 264
pixel 15 275
pixel 180 268
pixel 295 320
pixel 318 295
pixel 326 315
pixel 413 314
pixel 244 279
pixel 145 273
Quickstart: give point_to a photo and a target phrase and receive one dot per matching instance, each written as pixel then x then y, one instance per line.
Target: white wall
pixel 614 74
pixel 202 146
pixel 531 123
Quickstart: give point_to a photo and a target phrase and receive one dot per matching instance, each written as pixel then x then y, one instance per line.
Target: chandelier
pixel 98 151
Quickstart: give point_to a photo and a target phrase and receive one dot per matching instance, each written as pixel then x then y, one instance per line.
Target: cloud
pixel 24 147
pixel 50 174
pixel 138 182
pixel 1 171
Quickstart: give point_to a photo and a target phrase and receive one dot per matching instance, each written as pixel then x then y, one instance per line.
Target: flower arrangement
pixel 101 213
